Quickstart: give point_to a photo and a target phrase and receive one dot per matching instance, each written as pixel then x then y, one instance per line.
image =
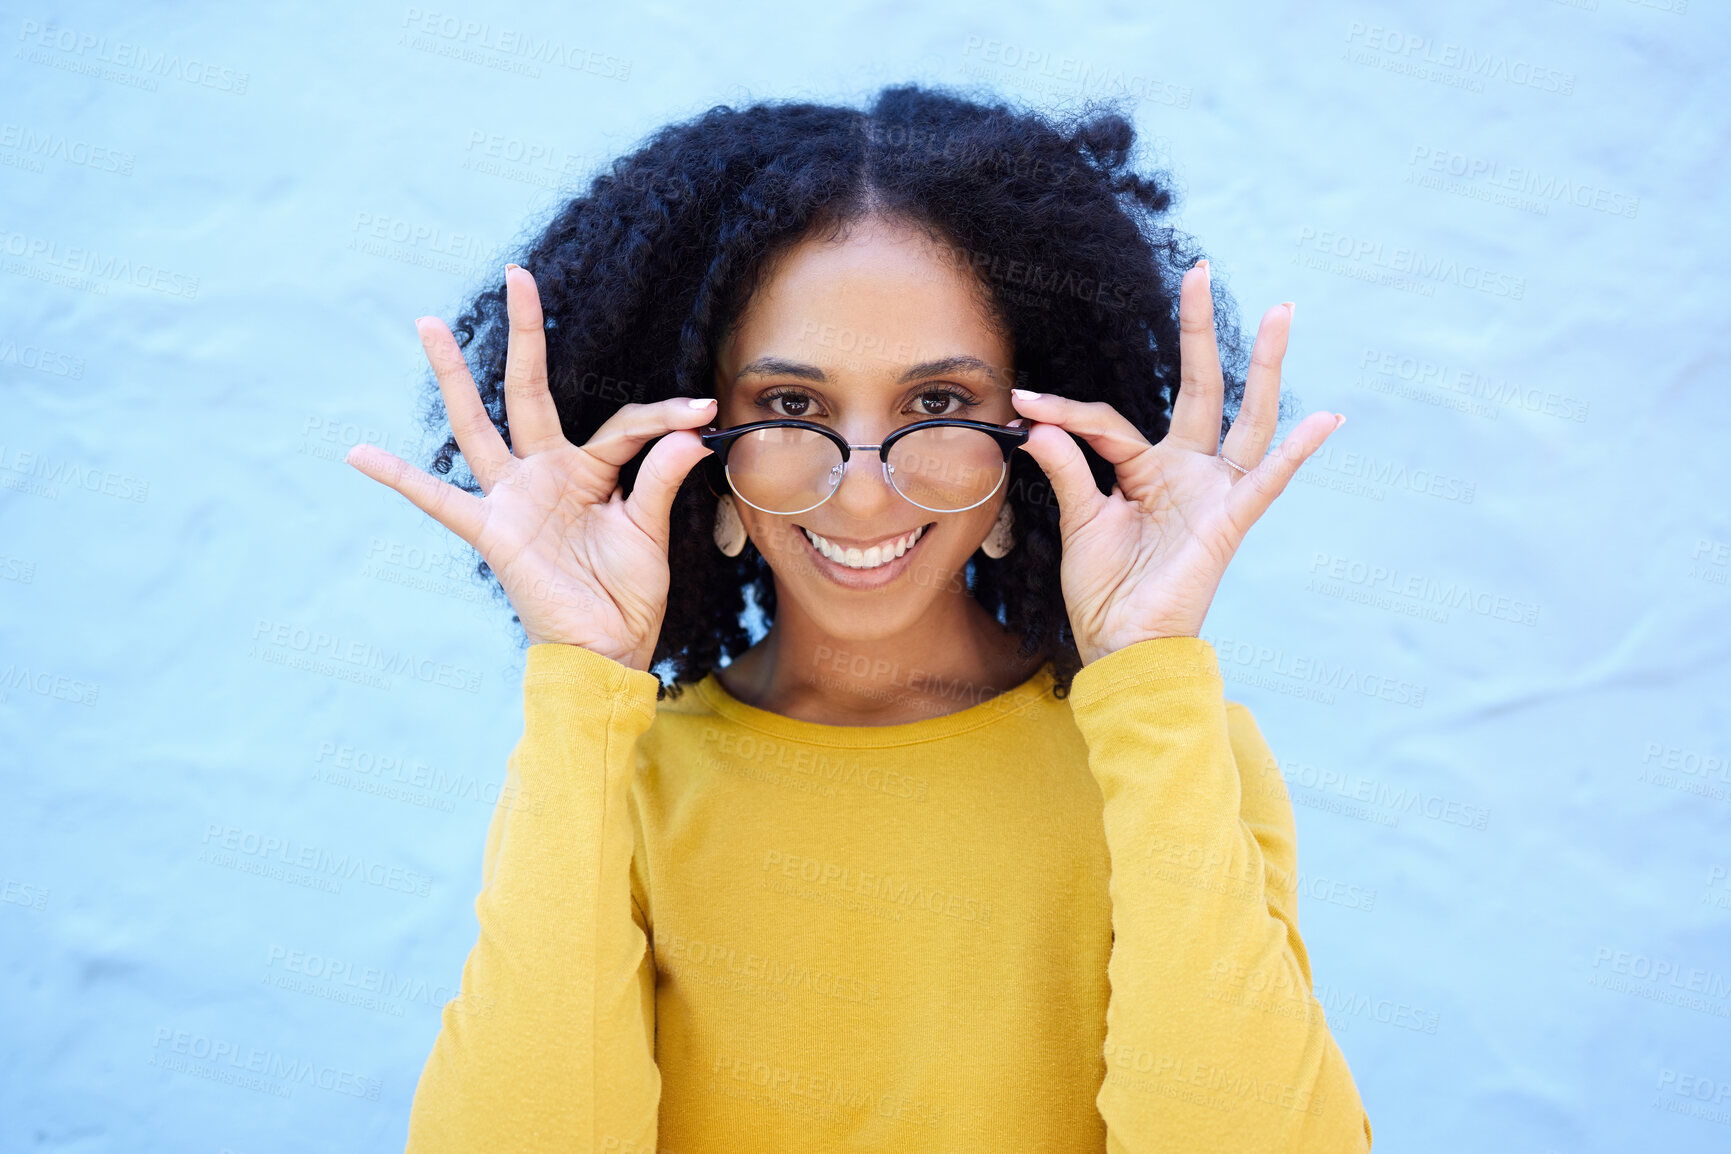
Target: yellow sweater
pixel 1036 924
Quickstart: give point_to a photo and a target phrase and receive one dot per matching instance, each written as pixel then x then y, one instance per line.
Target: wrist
pixel 561 662
pixel 636 661
pixel 1154 667
pixel 1105 647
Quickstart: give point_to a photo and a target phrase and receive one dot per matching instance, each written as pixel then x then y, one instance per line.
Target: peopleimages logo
pixel 1410 262
pixel 1381 799
pixel 318 862
pixel 1037 68
pixel 1456 64
pixel 281 1069
pixel 1421 589
pixel 514 45
pixel 101 268
pixel 1262 664
pixel 41 360
pixel 72 474
pixel 1545 188
pixel 281 638
pixel 338 980
pixel 121 61
pixel 1472 383
pixel 1661 980
pixel 38 146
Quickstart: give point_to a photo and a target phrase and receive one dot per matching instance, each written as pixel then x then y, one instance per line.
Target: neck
pixel 954 657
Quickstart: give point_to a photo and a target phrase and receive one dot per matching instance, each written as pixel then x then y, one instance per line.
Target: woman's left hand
pixel 1145 560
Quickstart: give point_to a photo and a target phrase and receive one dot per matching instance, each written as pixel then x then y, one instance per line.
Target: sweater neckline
pixel 1012 702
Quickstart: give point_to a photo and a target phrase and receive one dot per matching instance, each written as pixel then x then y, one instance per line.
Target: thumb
pixel 1058 455
pixel 664 468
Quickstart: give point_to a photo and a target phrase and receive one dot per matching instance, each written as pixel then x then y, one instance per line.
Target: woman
pixel 968 852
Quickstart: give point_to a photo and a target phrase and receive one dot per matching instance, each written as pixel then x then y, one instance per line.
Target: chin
pixel 868 629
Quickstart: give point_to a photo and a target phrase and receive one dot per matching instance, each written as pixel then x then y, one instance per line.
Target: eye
pixel 795 403
pixel 938 402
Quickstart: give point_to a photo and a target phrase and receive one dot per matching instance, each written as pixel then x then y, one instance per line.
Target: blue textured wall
pixel 1487 634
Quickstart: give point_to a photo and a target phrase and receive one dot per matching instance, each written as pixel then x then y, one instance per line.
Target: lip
pixel 864 578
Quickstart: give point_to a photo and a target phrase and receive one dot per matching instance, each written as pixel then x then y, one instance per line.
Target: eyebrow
pixel 776 367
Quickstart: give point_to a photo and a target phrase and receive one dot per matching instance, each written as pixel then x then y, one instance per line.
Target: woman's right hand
pixel 582 564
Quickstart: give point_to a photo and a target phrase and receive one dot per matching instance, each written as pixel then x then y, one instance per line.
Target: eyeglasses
pixel 784 466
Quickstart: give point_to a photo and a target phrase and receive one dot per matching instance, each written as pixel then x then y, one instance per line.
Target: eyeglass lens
pixel 943 469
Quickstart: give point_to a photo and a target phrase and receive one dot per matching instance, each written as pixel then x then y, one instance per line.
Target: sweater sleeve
pixel 1214 1038
pixel 551 1045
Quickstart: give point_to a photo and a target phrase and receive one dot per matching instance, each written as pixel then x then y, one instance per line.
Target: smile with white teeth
pixel 864 558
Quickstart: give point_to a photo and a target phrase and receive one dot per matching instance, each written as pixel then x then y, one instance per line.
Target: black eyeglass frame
pixel 721 442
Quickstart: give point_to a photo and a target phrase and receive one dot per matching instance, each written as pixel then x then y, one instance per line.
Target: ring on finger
pixel 1241 469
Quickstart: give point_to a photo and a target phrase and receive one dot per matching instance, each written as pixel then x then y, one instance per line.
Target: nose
pixel 864 492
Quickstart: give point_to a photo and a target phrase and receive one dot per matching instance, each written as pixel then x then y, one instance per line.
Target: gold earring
pixel 729 529
pixel 1002 538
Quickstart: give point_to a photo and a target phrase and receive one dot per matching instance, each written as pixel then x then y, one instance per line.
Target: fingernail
pixel 511 265
pixel 701 402
pixel 1207 276
pixel 1289 307
pixel 1024 395
pixel 1339 420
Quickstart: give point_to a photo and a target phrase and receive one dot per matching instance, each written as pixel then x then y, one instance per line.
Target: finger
pixel 1201 391
pixel 650 505
pixel 633 426
pixel 1079 498
pixel 1250 497
pixel 483 448
pixel 1253 427
pixel 529 407
pixel 1107 431
pixel 455 509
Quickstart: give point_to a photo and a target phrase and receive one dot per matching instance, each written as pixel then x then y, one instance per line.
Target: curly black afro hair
pixel 642 275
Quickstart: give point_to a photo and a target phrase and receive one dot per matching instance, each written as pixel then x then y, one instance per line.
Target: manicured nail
pixel 1024 395
pixel 701 402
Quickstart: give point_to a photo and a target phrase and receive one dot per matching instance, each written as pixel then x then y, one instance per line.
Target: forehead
pixel 883 296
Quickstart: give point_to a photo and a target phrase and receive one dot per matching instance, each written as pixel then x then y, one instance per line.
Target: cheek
pixel 963 533
pixel 772 536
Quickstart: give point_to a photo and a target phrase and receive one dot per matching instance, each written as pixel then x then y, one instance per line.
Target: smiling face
pixel 864 334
